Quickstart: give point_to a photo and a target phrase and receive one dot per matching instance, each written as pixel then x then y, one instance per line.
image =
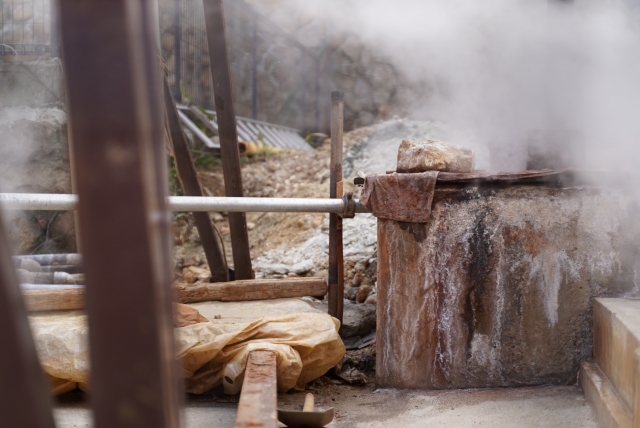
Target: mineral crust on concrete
pixel 497 289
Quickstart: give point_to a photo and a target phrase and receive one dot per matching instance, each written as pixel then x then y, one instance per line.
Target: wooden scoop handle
pixel 308 403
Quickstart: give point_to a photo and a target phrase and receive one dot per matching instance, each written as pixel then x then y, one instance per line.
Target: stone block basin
pixel 497 288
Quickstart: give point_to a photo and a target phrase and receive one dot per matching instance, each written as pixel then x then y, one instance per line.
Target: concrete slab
pixel 616 336
pixel 362 407
pixel 610 410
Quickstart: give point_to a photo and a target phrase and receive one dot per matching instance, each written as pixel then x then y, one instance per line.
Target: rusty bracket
pixel 349 205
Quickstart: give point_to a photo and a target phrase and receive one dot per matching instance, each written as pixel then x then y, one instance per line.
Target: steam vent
pixel 497 288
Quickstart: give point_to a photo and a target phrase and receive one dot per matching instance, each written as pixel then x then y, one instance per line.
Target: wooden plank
pixel 24 400
pixel 255 289
pixel 115 111
pixel 228 132
pixel 54 300
pixel 191 187
pixel 336 275
pixel 258 400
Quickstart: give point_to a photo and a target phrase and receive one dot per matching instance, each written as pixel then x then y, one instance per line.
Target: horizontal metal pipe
pixel 62 202
pixel 53 259
pixel 26 287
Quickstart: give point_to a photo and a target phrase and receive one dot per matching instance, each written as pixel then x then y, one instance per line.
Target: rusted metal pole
pixel 115 111
pixel 191 187
pixel 336 276
pixel 24 398
pixel 258 401
pixel 228 132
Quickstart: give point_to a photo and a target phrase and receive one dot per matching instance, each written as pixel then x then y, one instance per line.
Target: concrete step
pixel 610 382
pixel 609 408
pixel 616 336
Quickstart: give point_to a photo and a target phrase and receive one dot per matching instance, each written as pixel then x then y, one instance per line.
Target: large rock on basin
pixel 434 155
pixel 497 289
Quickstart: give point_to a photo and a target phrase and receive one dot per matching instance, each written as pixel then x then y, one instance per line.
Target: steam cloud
pixel 510 74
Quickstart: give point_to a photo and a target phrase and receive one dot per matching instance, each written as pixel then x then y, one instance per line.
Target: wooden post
pixel 24 398
pixel 228 132
pixel 115 112
pixel 191 187
pixel 258 401
pixel 336 276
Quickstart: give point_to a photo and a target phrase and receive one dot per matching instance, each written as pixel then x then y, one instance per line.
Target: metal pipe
pixel 197 132
pixel 65 202
pixel 53 259
pixel 34 287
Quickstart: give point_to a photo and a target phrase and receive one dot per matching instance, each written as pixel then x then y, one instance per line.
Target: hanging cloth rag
pixel 400 197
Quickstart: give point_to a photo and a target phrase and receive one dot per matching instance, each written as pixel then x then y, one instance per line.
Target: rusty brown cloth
pixel 400 197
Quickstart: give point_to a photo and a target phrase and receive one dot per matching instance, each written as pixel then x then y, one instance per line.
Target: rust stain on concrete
pixel 496 290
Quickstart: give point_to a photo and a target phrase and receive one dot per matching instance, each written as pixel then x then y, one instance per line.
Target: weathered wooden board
pixel 258 400
pixel 254 289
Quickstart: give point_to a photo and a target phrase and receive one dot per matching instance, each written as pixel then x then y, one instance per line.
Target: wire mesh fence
pixel 25 27
pixel 275 78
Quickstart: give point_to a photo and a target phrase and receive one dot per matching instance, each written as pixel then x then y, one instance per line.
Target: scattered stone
pixel 191 260
pixel 357 279
pixel 357 320
pixel 434 155
pixel 363 293
pixel 372 300
pixel 350 293
pixel 194 274
pixel 360 266
pixel 218 217
pixel 347 371
pixel 251 226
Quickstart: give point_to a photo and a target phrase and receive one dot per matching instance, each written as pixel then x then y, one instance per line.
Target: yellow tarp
pixel 305 339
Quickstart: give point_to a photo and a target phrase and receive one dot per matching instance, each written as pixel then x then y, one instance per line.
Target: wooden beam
pixel 234 291
pixel 255 289
pixel 228 132
pixel 191 187
pixel 258 401
pixel 54 300
pixel 115 121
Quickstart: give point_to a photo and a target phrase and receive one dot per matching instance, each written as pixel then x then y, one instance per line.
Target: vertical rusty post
pixel 191 187
pixel 24 398
pixel 221 78
pixel 336 276
pixel 115 118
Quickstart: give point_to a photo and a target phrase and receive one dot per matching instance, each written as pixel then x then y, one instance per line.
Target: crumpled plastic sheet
pixel 305 340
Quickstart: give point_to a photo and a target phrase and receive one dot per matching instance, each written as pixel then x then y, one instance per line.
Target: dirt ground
pixel 291 174
pixel 365 407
